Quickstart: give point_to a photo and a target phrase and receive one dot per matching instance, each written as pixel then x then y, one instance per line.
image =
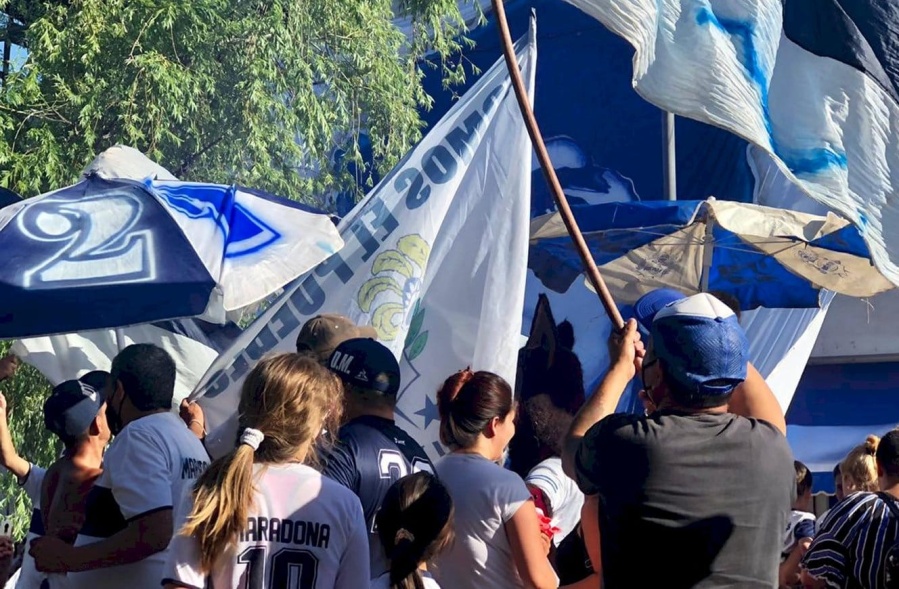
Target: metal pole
pixel 120 338
pixel 605 297
pixel 669 155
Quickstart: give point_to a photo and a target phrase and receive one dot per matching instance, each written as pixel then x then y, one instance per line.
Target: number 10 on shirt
pixel 290 568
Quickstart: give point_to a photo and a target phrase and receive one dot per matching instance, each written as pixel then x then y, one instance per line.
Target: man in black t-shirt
pixel 690 495
pixel 372 452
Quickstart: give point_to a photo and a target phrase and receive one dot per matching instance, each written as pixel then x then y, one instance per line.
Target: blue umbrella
pixel 764 257
pixel 111 253
pixel 8 197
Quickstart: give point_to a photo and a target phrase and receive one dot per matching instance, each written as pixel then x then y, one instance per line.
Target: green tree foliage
pixel 256 92
pixel 25 393
pixel 260 92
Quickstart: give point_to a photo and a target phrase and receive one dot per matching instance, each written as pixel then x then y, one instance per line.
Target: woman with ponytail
pixel 260 517
pixel 414 525
pixel 498 543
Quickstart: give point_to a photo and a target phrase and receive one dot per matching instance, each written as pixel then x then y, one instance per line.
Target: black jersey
pixel 371 454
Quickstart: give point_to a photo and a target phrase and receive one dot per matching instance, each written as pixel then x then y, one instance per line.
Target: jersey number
pixel 290 568
pixel 392 465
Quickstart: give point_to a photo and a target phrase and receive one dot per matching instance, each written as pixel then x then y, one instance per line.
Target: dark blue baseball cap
pixel 647 306
pixel 74 404
pixel 367 364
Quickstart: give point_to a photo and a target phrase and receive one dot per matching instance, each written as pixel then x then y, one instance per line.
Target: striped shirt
pixel 852 542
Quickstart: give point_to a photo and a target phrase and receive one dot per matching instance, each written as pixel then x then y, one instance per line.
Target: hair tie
pixel 403 534
pixel 252 438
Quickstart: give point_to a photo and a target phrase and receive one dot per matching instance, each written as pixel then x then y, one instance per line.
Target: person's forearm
pixel 141 539
pixel 754 398
pixel 600 405
pixel 8 456
pixel 591 532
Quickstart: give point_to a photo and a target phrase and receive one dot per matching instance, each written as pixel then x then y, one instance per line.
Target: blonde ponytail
pixel 223 496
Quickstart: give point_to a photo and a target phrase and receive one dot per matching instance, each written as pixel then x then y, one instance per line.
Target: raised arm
pixel 625 352
pixel 754 398
pixel 9 458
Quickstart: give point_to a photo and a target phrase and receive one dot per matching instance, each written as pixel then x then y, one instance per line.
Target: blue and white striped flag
pixel 813 83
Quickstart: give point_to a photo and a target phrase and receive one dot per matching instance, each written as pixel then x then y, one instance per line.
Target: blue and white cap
pixel 702 346
pixel 647 307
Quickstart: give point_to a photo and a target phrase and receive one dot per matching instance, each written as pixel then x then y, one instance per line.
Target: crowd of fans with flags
pixel 541 486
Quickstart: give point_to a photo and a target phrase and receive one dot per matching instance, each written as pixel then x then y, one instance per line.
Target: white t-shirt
pixel 29 577
pixel 304 531
pixel 486 496
pixel 147 468
pixel 800 525
pixel 383 582
pixel 563 493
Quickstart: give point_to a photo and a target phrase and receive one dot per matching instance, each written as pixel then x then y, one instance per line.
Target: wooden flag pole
pixel 605 297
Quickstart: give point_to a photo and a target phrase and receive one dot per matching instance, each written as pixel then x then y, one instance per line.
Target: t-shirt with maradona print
pixel 303 531
pixel 147 468
pixel 370 455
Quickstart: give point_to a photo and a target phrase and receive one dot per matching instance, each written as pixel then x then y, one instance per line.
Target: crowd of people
pixel 541 485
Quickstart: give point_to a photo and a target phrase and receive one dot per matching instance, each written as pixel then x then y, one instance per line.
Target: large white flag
pixel 811 83
pixel 435 260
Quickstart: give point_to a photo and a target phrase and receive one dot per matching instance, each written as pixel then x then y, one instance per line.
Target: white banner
pixel 435 260
pixel 194 346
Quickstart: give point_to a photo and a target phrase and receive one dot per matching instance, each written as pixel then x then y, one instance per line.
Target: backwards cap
pixel 72 407
pixel 367 364
pixel 702 347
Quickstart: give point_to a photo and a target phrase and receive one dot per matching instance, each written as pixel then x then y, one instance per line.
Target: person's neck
pixel 135 415
pixel 483 448
pixel 667 404
pixel 374 411
pixel 890 486
pixel 88 452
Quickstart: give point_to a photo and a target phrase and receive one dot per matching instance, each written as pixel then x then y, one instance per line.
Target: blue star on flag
pixel 429 412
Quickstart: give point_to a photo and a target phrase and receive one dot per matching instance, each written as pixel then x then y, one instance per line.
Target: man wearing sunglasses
pixel 696 493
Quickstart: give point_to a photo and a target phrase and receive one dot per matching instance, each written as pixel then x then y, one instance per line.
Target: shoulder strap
pixel 891 503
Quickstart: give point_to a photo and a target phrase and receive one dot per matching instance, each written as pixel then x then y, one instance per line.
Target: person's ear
pixel 94 429
pixel 492 426
pixel 879 470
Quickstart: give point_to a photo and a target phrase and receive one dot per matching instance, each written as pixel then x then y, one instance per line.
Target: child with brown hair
pixel 415 524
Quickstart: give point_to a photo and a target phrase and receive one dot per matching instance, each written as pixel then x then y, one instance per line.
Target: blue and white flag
pixel 435 260
pixel 813 83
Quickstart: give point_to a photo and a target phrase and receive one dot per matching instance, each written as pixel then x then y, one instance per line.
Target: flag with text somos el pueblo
pixel 435 260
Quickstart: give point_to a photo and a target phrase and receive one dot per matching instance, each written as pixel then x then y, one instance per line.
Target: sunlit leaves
pixel 260 92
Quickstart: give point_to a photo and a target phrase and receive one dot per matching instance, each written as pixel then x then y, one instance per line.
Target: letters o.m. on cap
pixel 367 364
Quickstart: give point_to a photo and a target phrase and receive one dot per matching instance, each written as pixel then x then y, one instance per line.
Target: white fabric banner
pixel 796 79
pixel 64 357
pixel 435 260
